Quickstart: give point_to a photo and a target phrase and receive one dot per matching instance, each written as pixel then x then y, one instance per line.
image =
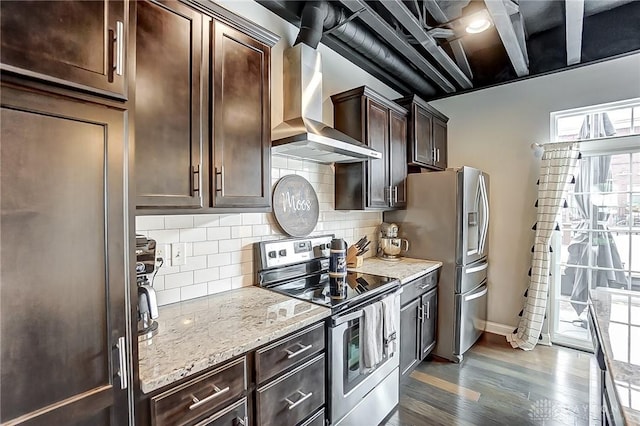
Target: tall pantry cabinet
pixel 65 314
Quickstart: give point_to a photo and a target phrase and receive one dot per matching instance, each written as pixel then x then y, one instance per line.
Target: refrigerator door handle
pixel 485 215
pixel 477 268
pixel 476 296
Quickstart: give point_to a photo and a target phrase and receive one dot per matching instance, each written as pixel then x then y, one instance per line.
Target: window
pixel 599 240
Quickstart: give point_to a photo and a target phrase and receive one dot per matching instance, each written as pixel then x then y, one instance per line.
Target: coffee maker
pixel 389 245
pixel 145 272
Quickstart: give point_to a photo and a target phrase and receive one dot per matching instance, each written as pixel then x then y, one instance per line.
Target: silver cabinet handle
pixel 122 354
pixel 427 309
pixel 438 155
pixel 299 351
pixel 119 47
pixel 477 268
pixel 240 422
pixel 216 393
pixel 421 313
pixel 303 398
pixel 220 173
pixel 395 194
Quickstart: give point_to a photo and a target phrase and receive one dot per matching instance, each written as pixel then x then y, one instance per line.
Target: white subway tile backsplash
pixel 241 231
pixel 228 271
pixel 206 275
pixel 219 247
pixel 205 247
pixel 146 223
pixel 219 286
pixel 221 259
pixel 178 280
pixel 193 234
pixel 194 263
pixel 177 222
pixel 230 220
pixel 206 220
pixel 166 297
pixel 193 291
pixel 252 218
pixel 229 245
pixel 219 233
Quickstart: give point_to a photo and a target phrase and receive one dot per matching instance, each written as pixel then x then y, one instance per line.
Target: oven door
pixel 350 381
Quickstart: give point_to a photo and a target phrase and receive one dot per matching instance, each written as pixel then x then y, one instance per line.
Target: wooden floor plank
pixel 498 385
pixel 445 385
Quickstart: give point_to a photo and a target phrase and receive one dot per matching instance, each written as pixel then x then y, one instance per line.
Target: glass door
pixel 599 242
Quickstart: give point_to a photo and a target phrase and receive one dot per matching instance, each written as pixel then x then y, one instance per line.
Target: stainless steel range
pixel 356 395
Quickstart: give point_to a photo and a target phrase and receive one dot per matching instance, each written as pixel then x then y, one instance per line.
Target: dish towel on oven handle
pixel 389 331
pixel 372 335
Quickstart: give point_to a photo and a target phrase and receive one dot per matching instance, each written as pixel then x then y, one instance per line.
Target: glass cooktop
pixel 335 293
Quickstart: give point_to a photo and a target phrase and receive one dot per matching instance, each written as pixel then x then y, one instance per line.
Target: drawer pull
pixel 216 392
pixel 303 398
pixel 299 351
pixel 422 287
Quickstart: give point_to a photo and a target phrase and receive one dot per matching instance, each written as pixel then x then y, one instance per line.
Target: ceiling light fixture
pixel 478 22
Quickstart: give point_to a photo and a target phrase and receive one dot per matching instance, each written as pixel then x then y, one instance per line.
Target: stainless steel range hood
pixel 302 134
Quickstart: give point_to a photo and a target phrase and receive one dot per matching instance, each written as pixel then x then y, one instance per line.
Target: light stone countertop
pixel 406 269
pixel 617 318
pixel 200 333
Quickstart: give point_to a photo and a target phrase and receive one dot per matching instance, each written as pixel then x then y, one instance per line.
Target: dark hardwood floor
pixel 498 385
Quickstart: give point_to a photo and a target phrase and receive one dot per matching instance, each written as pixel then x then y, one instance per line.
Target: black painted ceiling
pixel 554 35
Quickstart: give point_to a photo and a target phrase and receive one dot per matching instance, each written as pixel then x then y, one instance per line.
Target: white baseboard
pixel 501 329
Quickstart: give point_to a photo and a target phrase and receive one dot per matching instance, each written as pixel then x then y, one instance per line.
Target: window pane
pixel 636 120
pixel 568 128
pixel 621 120
pixel 635 167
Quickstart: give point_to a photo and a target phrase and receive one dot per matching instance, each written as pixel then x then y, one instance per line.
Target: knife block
pixel 353 260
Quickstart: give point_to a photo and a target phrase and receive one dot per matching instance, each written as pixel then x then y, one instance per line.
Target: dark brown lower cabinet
pixel 419 307
pixel 63 241
pixel 282 383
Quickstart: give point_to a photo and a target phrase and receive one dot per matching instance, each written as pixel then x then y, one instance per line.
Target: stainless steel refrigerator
pixel 447 219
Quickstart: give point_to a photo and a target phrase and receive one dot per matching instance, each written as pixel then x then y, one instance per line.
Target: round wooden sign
pixel 295 205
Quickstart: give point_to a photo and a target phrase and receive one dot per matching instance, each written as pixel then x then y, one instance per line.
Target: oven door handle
pixel 348 317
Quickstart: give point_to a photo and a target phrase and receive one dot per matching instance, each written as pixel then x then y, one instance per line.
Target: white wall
pixel 219 247
pixel 492 129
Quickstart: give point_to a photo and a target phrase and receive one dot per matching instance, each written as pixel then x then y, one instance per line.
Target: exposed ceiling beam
pixel 518 26
pixel 511 7
pixel 408 20
pixel 506 31
pixel 388 34
pixel 574 11
pixel 441 33
pixel 459 54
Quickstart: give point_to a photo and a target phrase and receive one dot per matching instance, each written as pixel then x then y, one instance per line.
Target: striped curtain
pixel 558 163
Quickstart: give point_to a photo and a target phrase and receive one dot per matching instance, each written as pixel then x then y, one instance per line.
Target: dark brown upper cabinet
pixel 382 125
pixel 63 322
pixel 240 160
pixel 170 128
pixel 203 129
pixel 427 143
pixel 79 43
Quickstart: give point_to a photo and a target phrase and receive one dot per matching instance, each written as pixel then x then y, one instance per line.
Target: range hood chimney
pixel 302 134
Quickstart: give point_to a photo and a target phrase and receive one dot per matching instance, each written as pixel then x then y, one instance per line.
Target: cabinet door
pixel 398 159
pixel 440 143
pixel 421 148
pixel 428 328
pixel 79 43
pixel 234 415
pixel 62 299
pixel 409 336
pixel 169 130
pixel 241 174
pixel 377 137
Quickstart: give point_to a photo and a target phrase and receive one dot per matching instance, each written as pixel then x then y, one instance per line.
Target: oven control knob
pixel 272 254
pixel 282 253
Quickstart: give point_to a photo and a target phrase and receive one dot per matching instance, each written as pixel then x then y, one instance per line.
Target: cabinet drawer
pixel 418 287
pixel 293 397
pixel 315 420
pixel 234 415
pixel 284 354
pixel 200 396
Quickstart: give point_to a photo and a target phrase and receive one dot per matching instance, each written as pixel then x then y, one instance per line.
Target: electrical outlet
pixel 178 254
pixel 163 251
